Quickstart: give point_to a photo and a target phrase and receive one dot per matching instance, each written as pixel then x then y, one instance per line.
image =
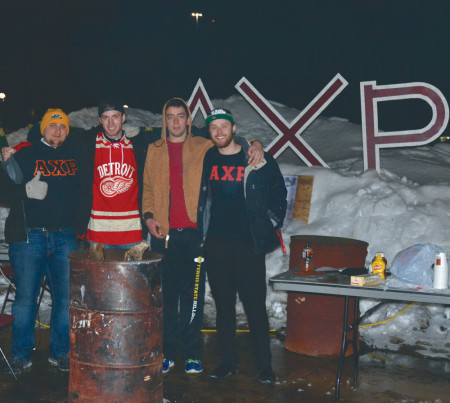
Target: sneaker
pixel 222 372
pixel 18 365
pixel 62 363
pixel 266 376
pixel 193 366
pixel 167 364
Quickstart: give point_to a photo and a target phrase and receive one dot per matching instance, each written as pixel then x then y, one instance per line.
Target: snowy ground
pixel 406 204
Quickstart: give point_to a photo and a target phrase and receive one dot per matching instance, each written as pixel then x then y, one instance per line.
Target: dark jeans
pixel 183 296
pixel 44 253
pixel 233 268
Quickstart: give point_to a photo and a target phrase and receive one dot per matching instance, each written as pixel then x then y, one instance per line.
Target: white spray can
pixel 440 279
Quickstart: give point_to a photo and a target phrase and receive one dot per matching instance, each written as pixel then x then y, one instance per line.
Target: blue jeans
pixel 46 252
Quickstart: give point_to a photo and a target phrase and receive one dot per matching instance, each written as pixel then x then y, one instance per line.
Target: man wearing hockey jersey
pixel 115 218
pixel 112 173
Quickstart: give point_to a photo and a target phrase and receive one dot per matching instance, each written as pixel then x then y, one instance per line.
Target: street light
pixel 3 141
pixel 197 15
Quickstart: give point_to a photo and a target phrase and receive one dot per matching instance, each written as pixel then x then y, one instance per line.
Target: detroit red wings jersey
pixel 115 215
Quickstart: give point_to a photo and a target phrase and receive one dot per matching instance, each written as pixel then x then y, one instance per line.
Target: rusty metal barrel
pixel 314 322
pixel 115 311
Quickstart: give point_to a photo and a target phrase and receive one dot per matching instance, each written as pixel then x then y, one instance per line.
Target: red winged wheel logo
pixel 111 187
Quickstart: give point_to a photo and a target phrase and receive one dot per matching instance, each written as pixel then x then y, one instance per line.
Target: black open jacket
pixel 265 198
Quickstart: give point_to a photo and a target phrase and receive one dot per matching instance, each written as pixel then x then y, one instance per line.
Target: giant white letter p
pixel 373 140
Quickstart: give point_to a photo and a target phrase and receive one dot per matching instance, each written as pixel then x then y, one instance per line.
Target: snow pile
pixel 390 214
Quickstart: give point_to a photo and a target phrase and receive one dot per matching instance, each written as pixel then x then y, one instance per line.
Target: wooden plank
pixel 303 195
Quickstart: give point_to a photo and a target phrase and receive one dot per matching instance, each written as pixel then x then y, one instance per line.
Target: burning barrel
pixel 115 328
pixel 314 322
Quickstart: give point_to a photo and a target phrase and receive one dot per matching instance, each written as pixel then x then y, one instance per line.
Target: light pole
pixel 3 141
pixel 2 101
pixel 197 15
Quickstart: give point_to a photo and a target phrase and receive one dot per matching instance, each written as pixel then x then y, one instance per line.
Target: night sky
pixel 71 53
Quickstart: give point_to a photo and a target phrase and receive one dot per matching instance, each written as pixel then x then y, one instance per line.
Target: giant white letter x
pixel 289 134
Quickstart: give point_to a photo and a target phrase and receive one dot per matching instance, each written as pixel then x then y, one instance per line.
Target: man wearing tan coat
pixel 172 177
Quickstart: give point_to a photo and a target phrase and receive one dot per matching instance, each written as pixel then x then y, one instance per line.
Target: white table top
pixel 339 285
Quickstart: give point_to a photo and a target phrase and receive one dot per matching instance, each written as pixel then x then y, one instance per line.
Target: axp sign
pixel 289 134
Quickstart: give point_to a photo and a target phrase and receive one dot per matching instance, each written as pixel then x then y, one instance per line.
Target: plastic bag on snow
pixel 415 264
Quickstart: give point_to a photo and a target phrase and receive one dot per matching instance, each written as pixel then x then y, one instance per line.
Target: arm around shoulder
pixel 278 193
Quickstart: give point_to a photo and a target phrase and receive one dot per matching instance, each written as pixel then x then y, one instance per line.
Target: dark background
pixel 71 53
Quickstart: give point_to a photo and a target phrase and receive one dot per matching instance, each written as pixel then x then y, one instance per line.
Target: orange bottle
pixel 307 255
pixel 379 266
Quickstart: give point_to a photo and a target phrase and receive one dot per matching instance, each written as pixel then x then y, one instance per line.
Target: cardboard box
pixel 365 280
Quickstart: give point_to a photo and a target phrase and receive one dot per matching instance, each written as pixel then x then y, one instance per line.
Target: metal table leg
pixel 354 340
pixel 343 348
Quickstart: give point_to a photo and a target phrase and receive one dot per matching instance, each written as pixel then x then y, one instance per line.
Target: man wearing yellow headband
pixel 40 236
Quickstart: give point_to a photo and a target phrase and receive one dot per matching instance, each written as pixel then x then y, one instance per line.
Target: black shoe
pixel 222 372
pixel 266 376
pixel 62 363
pixel 18 365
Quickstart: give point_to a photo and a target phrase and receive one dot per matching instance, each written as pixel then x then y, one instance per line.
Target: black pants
pixel 183 288
pixel 233 268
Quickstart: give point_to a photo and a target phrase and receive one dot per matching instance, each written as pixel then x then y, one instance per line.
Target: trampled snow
pixel 407 203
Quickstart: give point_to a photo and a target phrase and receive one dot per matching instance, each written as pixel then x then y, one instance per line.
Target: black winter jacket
pixel 63 185
pixel 12 195
pixel 265 197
